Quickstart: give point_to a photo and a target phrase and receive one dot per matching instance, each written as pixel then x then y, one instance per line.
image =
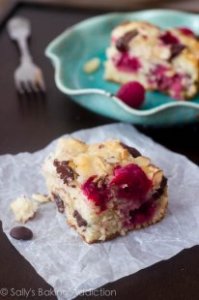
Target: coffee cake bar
pixel 162 60
pixel 105 189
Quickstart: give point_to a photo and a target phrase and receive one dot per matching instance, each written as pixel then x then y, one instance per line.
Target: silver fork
pixel 28 77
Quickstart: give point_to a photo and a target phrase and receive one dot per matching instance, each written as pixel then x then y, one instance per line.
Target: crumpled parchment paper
pixel 61 257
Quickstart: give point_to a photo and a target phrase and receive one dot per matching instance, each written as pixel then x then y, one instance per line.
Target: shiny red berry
pixel 132 93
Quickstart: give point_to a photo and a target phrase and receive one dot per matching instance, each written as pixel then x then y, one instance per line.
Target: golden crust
pixel 98 159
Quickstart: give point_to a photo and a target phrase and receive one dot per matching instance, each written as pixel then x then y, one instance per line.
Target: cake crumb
pixel 91 65
pixel 41 198
pixel 23 208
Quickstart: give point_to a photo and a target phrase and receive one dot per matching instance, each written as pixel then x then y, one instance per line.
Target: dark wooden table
pixel 30 124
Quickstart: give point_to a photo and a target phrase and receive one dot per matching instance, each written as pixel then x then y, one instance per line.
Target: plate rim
pixel 78 92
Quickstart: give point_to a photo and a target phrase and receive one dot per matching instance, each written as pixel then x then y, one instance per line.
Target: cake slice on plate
pixel 105 189
pixel 162 60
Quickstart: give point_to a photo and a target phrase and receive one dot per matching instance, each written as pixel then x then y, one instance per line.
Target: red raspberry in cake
pixel 168 38
pixel 131 183
pixel 96 190
pixel 186 31
pixel 127 63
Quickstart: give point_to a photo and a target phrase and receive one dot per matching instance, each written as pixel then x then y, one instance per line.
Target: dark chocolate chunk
pixel 80 220
pixel 67 174
pixel 133 151
pixel 176 49
pixel 158 193
pixel 122 43
pixel 101 146
pixel 21 233
pixel 59 202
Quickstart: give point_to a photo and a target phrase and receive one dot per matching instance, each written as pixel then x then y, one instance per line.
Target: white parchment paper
pixel 59 255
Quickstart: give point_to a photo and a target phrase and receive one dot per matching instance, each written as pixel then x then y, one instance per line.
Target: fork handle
pixel 24 50
pixel 19 30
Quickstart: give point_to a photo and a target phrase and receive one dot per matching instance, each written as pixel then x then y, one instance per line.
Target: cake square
pixel 105 189
pixel 162 60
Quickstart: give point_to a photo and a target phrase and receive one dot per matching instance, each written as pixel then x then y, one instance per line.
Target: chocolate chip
pixel 163 182
pixel 133 151
pixel 67 174
pixel 101 146
pixel 80 220
pixel 158 193
pixel 122 43
pixel 59 202
pixel 21 233
pixel 176 49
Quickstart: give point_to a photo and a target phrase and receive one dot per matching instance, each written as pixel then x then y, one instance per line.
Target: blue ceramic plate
pixel 88 39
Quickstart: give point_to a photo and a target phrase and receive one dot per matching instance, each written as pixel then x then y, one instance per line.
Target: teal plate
pixel 75 46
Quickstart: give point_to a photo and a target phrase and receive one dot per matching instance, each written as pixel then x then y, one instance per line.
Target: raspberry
pixel 127 63
pixel 169 39
pixel 131 183
pixel 96 191
pixel 132 93
pixel 186 31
